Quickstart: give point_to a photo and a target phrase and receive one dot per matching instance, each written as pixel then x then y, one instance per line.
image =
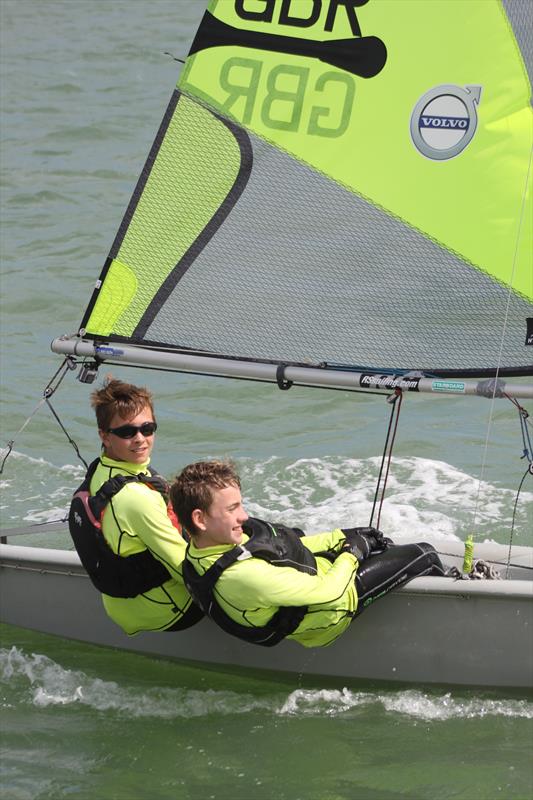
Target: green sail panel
pixel 187 179
pixel 359 288
pixel 337 184
pixel 357 128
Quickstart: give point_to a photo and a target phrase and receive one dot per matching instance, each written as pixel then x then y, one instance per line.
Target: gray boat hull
pixel 434 630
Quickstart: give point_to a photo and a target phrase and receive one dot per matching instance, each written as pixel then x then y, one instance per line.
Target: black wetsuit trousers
pixel 398 564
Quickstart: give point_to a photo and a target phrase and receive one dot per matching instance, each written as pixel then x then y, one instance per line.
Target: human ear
pixel 197 517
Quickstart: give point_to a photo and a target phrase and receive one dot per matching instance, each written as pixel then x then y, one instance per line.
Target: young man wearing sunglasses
pixel 139 570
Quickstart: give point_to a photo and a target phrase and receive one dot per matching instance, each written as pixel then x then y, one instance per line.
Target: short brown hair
pixel 117 397
pixel 193 488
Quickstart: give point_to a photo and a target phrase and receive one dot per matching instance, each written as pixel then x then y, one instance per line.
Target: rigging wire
pixel 529 471
pixel 68 364
pixel 527 452
pixel 69 437
pixel 396 401
pixel 11 442
pixel 525 567
pixel 173 57
pixel 502 338
pixel 524 423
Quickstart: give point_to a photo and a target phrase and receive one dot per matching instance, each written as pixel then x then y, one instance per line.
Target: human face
pixel 222 523
pixel 135 450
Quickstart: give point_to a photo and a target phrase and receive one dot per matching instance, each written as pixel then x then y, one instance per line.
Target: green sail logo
pixel 267 78
pixel 444 121
pixel 364 56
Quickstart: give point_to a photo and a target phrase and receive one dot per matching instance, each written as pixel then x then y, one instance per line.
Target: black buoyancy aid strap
pixel 211 576
pixel 193 615
pixel 86 483
pixel 113 485
pixel 101 498
pixel 294 550
pixel 278 545
pixel 266 543
pixel 112 574
pixel 201 588
pixel 203 585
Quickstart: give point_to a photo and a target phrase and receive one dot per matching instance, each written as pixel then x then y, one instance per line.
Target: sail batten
pixel 307 201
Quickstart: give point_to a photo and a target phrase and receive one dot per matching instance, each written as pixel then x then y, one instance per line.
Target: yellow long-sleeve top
pixel 134 520
pixel 252 590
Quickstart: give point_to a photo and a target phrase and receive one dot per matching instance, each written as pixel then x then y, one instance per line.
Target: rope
pixel 53 384
pixel 481 570
pixel 502 339
pixel 527 452
pixel 70 439
pixel 529 471
pixel 396 401
pixel 48 391
pixel 11 442
pixel 526 567
pixel 523 417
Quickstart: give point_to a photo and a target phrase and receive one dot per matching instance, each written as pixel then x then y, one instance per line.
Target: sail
pixel 337 183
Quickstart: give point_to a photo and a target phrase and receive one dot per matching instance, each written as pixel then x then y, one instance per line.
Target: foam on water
pixel 43 682
pixel 71 469
pixel 423 495
pixel 35 490
pixel 424 498
pixel 39 680
pixel 416 704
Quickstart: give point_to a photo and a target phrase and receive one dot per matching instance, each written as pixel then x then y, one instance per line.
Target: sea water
pixel 84 87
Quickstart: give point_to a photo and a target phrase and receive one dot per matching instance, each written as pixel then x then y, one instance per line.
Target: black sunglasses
pixel 129 431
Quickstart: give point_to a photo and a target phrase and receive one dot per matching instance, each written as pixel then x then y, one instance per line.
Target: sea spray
pixel 43 682
pixel 425 497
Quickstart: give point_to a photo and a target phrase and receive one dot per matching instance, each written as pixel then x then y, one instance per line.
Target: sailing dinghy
pixel 351 182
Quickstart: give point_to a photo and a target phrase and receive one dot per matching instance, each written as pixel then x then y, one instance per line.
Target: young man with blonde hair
pixel 263 582
pixel 119 520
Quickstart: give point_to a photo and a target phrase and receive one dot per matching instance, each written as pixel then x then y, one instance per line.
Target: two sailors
pixel 259 581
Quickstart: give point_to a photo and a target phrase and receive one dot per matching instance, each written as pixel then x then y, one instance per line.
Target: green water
pixel 84 86
pixel 87 721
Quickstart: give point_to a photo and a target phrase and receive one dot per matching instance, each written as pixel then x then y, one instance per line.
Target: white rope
pixel 66 365
pixel 5 452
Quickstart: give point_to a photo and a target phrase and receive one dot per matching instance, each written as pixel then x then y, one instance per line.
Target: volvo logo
pixel 444 120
